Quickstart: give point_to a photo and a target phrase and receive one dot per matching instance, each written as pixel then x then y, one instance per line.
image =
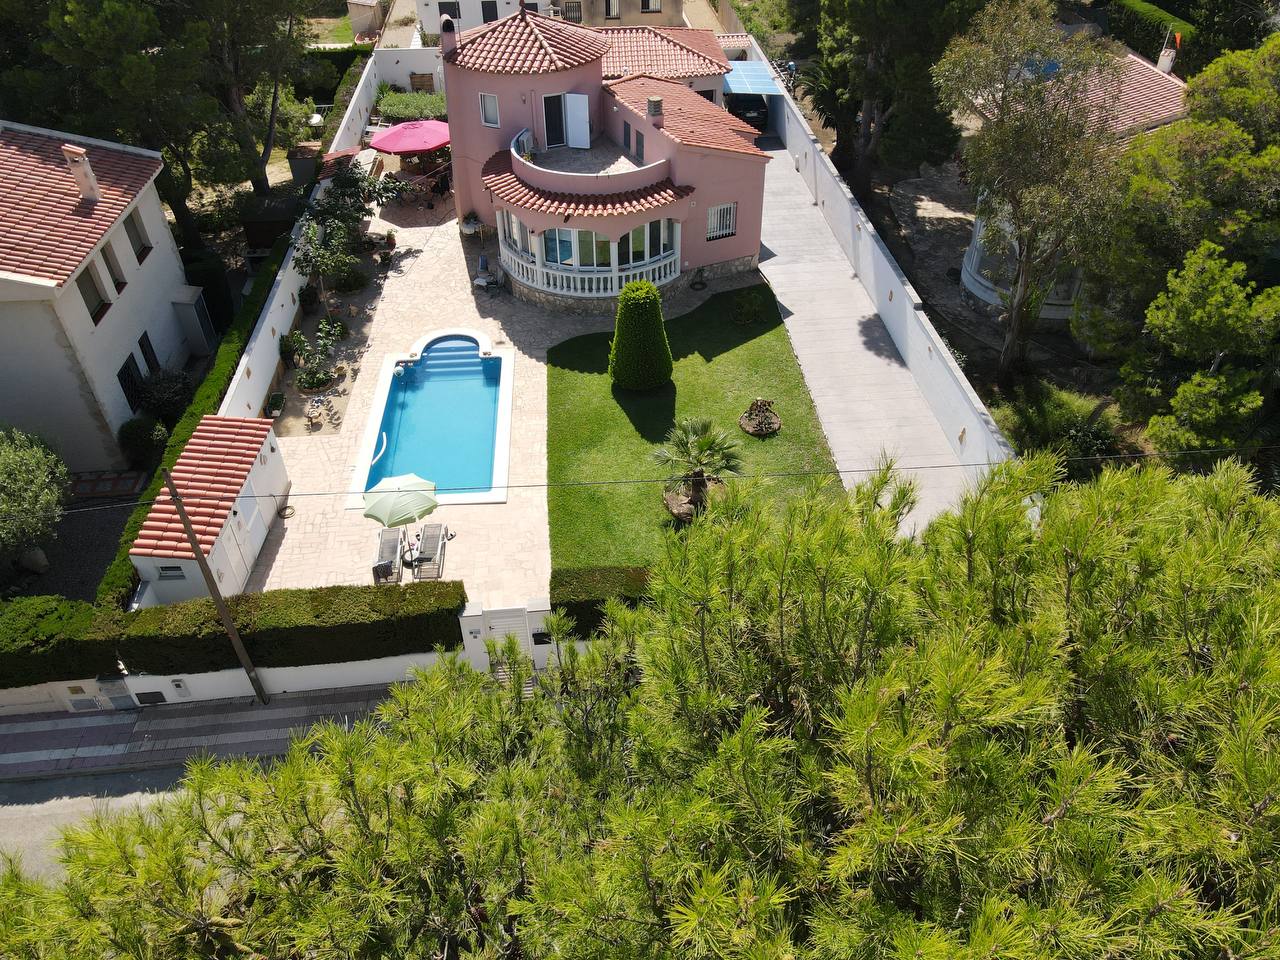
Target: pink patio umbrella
pixel 416 136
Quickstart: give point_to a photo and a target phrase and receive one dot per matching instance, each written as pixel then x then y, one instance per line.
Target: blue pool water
pixel 441 418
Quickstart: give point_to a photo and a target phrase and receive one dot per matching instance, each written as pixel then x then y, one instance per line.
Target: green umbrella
pixel 395 501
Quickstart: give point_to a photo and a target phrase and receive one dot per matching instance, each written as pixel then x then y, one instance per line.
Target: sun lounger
pixel 425 554
pixel 386 566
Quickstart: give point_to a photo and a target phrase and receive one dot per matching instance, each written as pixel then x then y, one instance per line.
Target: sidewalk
pixel 35 746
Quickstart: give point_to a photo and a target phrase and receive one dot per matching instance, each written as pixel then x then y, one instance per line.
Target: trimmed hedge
pixel 640 355
pixel 341 100
pixel 290 628
pixel 582 591
pixel 44 639
pixel 340 59
pixel 118 582
pixel 417 105
pixel 1142 25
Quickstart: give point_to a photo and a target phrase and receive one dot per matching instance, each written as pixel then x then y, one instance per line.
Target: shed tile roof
pixel 733 41
pixel 1144 98
pixel 688 118
pixel 46 230
pixel 675 52
pixel 509 189
pixel 209 474
pixel 527 43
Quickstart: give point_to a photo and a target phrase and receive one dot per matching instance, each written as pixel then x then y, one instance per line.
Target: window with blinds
pixel 722 220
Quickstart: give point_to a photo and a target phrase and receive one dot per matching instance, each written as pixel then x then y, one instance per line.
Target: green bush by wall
pixel 45 638
pixel 1142 26
pixel 289 628
pixel 418 105
pixel 582 591
pixel 323 70
pixel 118 582
pixel 640 356
pixel 342 99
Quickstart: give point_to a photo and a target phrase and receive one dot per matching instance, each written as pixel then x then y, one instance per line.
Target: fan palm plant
pixel 695 453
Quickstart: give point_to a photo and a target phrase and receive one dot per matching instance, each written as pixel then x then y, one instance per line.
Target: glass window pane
pixel 586 248
pixel 640 146
pixel 637 244
pixel 668 235
pixel 626 135
pixel 602 251
pixel 655 237
pixel 624 250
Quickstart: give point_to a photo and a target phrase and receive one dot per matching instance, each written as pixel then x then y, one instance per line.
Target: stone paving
pixel 502 551
pixel 58 744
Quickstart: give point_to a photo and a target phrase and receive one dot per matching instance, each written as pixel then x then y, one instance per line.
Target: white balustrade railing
pixel 576 282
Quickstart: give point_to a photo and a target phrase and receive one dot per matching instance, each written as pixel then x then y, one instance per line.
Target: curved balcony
pixel 582 282
pixel 603 168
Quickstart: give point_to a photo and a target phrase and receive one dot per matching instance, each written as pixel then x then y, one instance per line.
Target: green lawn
pixel 594 434
pixel 332 29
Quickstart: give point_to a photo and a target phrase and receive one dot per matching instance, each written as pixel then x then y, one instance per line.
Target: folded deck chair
pixel 425 557
pixel 386 565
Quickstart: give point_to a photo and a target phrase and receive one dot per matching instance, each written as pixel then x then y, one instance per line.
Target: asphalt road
pixel 33 813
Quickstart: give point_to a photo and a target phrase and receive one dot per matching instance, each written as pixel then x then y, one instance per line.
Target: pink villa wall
pixel 717 176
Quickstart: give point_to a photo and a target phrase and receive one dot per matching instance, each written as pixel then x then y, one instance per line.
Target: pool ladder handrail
pixel 381 451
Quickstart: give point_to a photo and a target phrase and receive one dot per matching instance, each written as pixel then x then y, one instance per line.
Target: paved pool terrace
pixel 866 398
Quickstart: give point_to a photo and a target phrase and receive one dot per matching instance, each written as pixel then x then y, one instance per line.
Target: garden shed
pixel 232 481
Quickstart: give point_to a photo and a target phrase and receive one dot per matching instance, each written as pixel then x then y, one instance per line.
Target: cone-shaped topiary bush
pixel 640 357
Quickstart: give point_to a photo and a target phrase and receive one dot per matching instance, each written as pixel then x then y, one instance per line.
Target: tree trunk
pixel 697 490
pixel 1019 326
pixel 269 138
pixel 175 197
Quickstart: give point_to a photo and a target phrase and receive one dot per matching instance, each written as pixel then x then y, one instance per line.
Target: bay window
pixel 647 242
pixel 587 250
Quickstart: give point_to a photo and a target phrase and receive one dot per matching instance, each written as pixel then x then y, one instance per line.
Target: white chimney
pixel 1167 56
pixel 448 36
pixel 78 163
pixel 655 112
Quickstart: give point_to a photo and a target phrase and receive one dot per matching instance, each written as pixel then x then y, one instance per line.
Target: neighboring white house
pixel 592 13
pixel 93 295
pixel 232 480
pixel 1143 98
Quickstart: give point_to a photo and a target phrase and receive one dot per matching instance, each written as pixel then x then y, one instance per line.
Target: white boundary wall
pixel 969 427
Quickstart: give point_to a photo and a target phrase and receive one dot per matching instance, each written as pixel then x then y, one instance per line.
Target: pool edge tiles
pixel 497 493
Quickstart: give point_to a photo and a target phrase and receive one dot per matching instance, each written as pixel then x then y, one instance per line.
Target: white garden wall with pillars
pixel 969 426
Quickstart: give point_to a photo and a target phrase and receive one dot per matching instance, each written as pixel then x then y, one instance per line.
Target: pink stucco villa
pixel 600 155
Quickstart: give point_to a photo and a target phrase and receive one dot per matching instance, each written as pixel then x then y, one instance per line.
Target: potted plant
pixel 275 405
pixel 696 455
pixel 470 223
pixel 391 239
pixel 760 420
pixel 292 345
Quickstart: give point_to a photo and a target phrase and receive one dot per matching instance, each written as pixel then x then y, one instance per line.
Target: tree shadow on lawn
pixel 651 412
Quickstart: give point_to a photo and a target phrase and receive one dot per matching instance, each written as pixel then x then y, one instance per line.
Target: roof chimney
pixel 655 112
pixel 448 36
pixel 78 163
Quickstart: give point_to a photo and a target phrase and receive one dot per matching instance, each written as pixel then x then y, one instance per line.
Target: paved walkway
pixel 34 746
pixel 868 401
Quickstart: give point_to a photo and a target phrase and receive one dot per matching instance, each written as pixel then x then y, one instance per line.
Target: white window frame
pixel 612 9
pixel 141 244
pixel 722 220
pixel 497 114
pixel 650 6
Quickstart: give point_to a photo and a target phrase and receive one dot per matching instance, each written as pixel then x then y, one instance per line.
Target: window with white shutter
pixel 722 220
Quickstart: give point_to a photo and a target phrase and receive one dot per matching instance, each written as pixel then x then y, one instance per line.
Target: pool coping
pixel 497 492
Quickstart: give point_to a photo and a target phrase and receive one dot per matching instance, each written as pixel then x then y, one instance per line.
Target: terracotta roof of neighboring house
pixel 688 118
pixel 331 163
pixel 1146 97
pixel 676 52
pixel 510 189
pixel 527 42
pixel 733 41
pixel 209 474
pixel 46 229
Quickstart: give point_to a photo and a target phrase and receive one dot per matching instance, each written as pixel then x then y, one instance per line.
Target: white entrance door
pixel 577 110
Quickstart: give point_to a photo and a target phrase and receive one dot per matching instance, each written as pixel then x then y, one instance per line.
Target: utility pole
pixel 224 613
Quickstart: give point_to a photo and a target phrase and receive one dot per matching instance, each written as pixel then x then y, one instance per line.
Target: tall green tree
pixel 1045 734
pixel 1042 160
pixel 870 82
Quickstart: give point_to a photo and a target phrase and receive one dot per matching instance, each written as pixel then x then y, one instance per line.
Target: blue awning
pixel 750 76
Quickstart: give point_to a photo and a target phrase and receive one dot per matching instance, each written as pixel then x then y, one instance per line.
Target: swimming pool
pixel 445 417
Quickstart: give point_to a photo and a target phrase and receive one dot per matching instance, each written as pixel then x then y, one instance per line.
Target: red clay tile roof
pixel 733 41
pixel 209 474
pixel 510 189
pixel 675 52
pixel 525 43
pixel 1145 99
pixel 688 118
pixel 46 230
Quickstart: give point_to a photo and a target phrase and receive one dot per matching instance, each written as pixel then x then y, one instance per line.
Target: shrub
pixel 291 628
pixel 342 99
pixel 1142 26
pixel 323 71
pixel 350 280
pixel 581 592
pixel 755 305
pixel 45 638
pixel 33 487
pixel 166 394
pixel 639 357
pixel 418 105
pixel 1040 416
pixel 142 441
pixel 120 578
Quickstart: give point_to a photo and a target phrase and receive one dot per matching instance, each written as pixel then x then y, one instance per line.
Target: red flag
pixel 1177 40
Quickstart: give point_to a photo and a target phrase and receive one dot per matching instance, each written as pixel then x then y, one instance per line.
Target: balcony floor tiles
pixel 603 157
